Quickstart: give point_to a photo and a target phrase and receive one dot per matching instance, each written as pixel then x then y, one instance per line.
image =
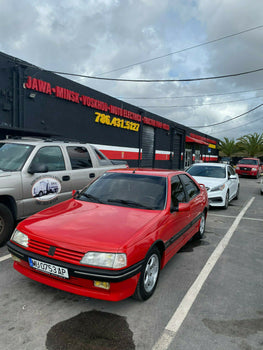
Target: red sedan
pixel 111 240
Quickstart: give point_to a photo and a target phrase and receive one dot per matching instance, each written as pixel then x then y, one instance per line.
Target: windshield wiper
pixel 129 203
pixel 90 196
pixel 3 169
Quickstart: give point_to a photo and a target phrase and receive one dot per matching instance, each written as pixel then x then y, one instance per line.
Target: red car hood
pixel 85 225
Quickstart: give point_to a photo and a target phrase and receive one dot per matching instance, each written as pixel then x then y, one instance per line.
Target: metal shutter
pixel 147 146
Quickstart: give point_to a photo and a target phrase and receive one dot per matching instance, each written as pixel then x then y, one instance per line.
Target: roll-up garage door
pixel 147 146
pixel 176 159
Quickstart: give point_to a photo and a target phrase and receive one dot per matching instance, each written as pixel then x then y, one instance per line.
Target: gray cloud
pixel 96 36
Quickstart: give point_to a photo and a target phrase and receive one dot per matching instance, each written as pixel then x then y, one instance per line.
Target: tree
pixel 251 144
pixel 228 147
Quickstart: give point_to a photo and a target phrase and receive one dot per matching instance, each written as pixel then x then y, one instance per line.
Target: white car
pixel 220 180
pixel 261 185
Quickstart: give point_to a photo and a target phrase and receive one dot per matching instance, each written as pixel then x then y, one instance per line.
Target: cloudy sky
pixel 150 40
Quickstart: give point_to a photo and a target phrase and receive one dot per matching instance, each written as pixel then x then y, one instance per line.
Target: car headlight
pixel 218 188
pixel 111 260
pixel 20 238
pixel 237 167
pixel 254 169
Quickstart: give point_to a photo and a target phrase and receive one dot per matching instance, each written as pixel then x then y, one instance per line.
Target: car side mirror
pixel 181 207
pixel 37 168
pixel 75 193
pixel 232 177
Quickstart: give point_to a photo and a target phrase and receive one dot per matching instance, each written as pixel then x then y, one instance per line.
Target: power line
pixel 203 104
pixel 183 50
pixel 189 96
pixel 157 80
pixel 226 121
pixel 237 127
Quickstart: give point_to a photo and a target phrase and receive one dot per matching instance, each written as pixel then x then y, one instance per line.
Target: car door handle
pixel 91 175
pixel 66 178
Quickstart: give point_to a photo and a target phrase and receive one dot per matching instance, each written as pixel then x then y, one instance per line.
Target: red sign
pixel 199 137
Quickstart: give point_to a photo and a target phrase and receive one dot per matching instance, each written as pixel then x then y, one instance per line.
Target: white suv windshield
pixel 13 156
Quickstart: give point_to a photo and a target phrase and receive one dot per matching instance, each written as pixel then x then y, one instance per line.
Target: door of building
pixel 148 151
pixel 188 157
pixel 176 151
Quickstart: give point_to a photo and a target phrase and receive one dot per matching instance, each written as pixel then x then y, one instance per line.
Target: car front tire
pixel 201 231
pixel 226 201
pixel 149 275
pixel 237 194
pixel 6 224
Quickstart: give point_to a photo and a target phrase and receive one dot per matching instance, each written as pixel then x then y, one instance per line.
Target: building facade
pixel 40 103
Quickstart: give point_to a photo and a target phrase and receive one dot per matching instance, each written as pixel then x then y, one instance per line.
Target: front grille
pixel 215 200
pixel 244 169
pixel 59 253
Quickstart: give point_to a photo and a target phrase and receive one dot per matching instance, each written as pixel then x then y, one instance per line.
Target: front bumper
pixel 122 282
pixel 249 172
pixel 216 198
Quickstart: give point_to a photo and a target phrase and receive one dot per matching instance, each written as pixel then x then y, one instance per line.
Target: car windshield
pixel 13 156
pixel 207 171
pixel 248 161
pixel 129 190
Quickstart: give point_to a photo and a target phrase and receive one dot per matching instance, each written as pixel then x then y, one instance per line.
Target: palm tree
pixel 251 144
pixel 228 147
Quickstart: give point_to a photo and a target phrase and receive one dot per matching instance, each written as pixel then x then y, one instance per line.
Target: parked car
pixel 37 173
pixel 249 167
pixel 220 180
pixel 226 160
pixel 111 239
pixel 261 185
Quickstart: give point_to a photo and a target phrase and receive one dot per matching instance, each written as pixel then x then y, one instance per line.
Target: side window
pixel 79 157
pixel 101 157
pixel 191 188
pixel 177 191
pixel 51 156
pixel 231 170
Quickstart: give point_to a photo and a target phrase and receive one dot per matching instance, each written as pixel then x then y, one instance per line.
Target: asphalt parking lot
pixel 209 296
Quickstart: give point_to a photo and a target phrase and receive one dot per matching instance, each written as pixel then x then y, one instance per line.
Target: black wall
pixel 25 111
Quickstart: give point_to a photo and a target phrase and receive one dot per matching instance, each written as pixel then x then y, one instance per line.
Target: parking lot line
pixel 183 309
pixel 233 217
pixel 5 257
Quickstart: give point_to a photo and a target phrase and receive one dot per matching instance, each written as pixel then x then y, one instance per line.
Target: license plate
pixel 49 268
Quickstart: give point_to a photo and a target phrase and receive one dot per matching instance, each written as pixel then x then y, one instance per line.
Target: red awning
pixel 193 140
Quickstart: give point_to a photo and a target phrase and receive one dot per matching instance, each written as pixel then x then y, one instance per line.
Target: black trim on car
pixel 182 232
pixel 79 271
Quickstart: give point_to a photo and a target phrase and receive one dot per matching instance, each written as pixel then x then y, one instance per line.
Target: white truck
pixel 37 173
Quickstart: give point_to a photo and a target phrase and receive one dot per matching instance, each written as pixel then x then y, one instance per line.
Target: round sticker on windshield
pixel 46 189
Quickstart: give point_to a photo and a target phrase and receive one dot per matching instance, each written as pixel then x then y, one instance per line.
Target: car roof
pixel 36 141
pixel 148 171
pixel 249 158
pixel 222 165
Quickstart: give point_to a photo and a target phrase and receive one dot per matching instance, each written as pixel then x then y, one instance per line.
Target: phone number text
pixel 116 122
